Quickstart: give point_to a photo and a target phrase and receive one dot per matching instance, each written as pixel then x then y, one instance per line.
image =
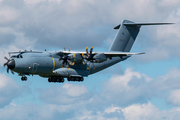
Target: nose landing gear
pixel 24 78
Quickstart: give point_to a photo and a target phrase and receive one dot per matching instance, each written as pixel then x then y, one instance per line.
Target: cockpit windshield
pixel 17 56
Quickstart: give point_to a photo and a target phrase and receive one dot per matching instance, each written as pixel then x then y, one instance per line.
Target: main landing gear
pixel 24 78
pixel 61 79
pixel 79 79
pixel 56 79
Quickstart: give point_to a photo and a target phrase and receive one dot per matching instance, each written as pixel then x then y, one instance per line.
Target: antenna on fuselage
pixel 64 48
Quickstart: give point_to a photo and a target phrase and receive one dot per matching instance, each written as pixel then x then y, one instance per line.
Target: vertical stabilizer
pixel 125 36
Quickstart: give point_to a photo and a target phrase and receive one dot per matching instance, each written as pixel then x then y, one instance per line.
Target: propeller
pixel 10 64
pixel 66 60
pixel 89 55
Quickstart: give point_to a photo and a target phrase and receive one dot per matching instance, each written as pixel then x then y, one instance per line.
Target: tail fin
pixel 127 34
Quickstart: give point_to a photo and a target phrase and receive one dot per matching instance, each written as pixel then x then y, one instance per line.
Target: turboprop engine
pixel 99 58
pixel 75 58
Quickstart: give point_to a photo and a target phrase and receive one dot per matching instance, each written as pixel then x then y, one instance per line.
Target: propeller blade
pixel 7 70
pixel 69 62
pixel 87 50
pixel 91 50
pixel 6 58
pixel 12 72
pixel 67 65
pixel 5 64
pixel 63 63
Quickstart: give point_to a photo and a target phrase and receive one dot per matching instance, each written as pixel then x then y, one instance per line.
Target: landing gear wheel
pixel 69 79
pixel 56 79
pixel 78 79
pixel 23 78
pixel 49 80
pixel 81 79
pixel 62 80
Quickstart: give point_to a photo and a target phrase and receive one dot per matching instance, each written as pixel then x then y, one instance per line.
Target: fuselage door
pixel 35 65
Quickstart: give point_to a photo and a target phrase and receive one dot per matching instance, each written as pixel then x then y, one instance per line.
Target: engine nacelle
pixel 76 57
pixel 99 58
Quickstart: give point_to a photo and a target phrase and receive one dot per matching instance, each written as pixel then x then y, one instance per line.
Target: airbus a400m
pixel 57 65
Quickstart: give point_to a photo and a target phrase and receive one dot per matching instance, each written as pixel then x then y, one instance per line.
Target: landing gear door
pixel 34 70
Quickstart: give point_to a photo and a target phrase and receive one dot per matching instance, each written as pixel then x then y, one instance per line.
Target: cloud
pixel 8 15
pixel 54 24
pixel 125 96
pixel 144 111
pixel 33 2
pixel 174 97
pixel 127 88
pixel 68 94
pixel 128 95
pixel 8 90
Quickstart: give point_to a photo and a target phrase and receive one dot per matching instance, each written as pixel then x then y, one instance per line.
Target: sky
pixel 142 87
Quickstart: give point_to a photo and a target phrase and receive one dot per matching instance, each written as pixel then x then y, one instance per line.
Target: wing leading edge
pixel 107 54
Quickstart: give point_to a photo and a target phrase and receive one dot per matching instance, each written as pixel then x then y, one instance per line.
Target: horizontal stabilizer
pixel 140 24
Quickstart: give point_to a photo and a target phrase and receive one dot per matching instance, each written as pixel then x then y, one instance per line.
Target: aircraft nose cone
pixel 11 64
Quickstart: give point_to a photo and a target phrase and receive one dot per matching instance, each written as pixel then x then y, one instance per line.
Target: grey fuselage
pixel 43 64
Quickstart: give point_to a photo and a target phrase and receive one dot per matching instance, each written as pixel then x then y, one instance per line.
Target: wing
pixel 107 54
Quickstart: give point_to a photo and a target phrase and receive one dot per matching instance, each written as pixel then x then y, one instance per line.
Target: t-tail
pixel 126 35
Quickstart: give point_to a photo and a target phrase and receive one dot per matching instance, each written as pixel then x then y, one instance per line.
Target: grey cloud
pixel 32 111
pixel 68 94
pixel 74 101
pixel 123 90
pixel 134 87
pixel 9 90
pixel 53 24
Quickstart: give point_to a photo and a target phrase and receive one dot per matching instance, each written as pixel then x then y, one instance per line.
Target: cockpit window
pixel 19 56
pixel 16 56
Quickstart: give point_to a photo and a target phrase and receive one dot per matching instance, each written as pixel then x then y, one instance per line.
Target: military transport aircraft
pixel 74 65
